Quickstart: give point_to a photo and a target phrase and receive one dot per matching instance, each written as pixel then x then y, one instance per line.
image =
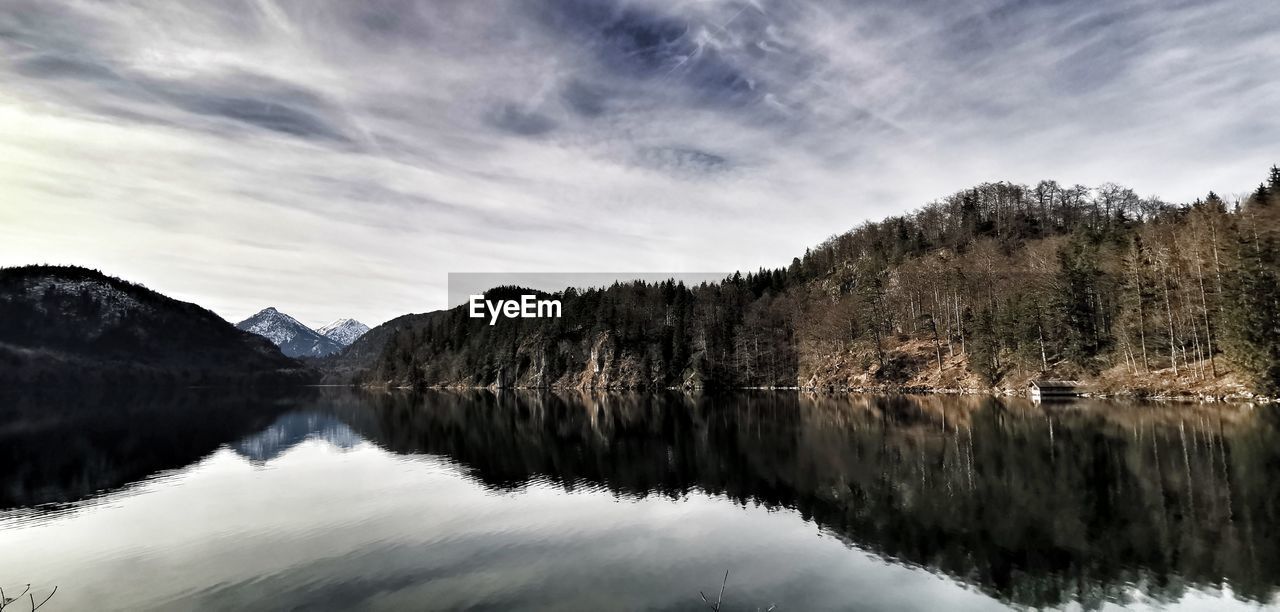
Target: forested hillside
pixel 65 325
pixel 987 287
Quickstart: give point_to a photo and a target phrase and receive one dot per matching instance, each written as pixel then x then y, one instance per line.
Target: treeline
pixel 739 332
pixel 1000 281
pixel 1068 280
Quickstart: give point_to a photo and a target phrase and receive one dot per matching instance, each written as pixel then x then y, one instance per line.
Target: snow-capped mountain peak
pixel 286 332
pixel 344 331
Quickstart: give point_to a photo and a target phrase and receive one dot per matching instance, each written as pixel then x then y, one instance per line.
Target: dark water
pixel 336 500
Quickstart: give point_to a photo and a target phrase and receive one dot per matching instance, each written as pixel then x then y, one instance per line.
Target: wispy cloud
pixel 339 158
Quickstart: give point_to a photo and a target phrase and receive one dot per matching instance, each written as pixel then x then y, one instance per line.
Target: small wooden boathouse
pixel 1043 389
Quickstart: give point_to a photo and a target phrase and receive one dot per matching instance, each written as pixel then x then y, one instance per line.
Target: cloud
pixel 339 158
pixel 525 123
pixel 682 160
pixel 585 99
pixel 256 101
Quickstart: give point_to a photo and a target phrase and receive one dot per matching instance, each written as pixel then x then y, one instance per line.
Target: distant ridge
pixel 286 332
pixel 344 331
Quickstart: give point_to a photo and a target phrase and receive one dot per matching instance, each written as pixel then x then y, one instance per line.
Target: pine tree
pixel 1261 196
pixel 1252 313
pixel 1074 303
pixel 984 351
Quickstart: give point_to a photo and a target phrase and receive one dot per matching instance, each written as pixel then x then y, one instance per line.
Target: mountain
pixel 344 331
pixel 65 323
pixel 293 338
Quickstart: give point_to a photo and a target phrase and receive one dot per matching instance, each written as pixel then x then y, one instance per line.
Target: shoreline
pixel 1240 398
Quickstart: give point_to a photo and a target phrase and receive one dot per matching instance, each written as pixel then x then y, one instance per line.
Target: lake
pixel 334 499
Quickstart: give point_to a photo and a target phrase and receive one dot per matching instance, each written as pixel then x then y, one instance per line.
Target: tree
pixel 1261 196
pixel 984 348
pixel 1252 316
pixel 937 344
pixel 1075 301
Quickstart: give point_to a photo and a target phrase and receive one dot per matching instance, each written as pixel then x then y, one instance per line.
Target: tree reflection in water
pixel 1035 505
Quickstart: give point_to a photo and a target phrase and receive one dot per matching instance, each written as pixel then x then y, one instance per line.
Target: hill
pixel 984 288
pixel 353 364
pixel 62 323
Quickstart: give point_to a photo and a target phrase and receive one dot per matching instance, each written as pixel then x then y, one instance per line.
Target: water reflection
pixel 59 446
pixel 1032 505
pixel 291 430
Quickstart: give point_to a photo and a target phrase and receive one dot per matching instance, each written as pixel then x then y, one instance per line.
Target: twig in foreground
pixel 34 607
pixel 720 599
pixel 6 601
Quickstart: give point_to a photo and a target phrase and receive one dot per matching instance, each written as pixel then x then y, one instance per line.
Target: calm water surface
pixel 339 500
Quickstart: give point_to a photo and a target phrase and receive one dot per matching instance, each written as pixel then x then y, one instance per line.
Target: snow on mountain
pixel 112 303
pixel 291 430
pixel 286 332
pixel 344 331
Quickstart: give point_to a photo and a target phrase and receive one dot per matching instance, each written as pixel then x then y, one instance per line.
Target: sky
pixel 338 159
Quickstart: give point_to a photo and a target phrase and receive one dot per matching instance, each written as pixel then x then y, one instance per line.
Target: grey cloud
pixel 110 85
pixel 682 161
pixel 634 41
pixel 390 210
pixel 510 118
pixel 49 26
pixel 52 66
pixel 385 23
pixel 257 101
pixel 270 115
pixel 584 98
